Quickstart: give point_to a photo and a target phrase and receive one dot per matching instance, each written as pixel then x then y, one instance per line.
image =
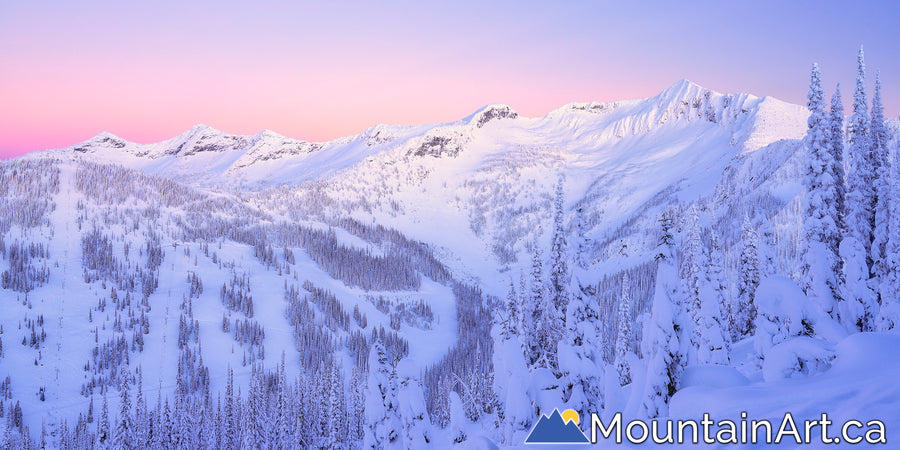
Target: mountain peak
pixel 684 83
pixel 104 139
pixel 268 134
pixel 200 129
pixel 489 113
pixel 104 135
pixel 682 89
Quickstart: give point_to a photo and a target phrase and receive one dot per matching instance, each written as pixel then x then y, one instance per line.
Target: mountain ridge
pixel 683 100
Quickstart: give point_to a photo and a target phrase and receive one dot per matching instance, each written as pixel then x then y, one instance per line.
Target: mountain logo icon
pixel 557 428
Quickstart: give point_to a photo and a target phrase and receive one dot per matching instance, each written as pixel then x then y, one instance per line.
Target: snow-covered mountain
pixel 207 157
pixel 359 288
pixel 490 174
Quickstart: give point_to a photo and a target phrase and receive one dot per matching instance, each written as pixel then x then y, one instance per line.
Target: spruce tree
pixel 382 415
pixel 821 234
pixel 581 229
pixel 141 421
pixel 336 400
pixel 357 411
pixel 559 270
pixel 543 331
pixel 693 275
pixel 836 141
pixel 666 359
pixel 625 335
pixel 534 298
pixel 856 311
pixel 889 312
pixel 231 417
pixel 167 427
pixel 879 138
pixel 714 348
pixel 104 438
pixel 511 323
pixel 743 313
pixel 124 434
pixel 583 370
pixel 860 178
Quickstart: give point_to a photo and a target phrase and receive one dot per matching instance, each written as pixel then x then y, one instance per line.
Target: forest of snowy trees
pixel 690 316
pixel 158 263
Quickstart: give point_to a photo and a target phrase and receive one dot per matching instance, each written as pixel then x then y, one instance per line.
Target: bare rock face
pixel 494 112
pixel 438 146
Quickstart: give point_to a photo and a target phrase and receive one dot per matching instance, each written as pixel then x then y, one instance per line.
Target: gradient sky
pixel 148 71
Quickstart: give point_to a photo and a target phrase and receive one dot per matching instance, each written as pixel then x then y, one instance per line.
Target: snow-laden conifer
pixel 879 152
pixel 693 275
pixel 819 262
pixel 855 311
pixel 889 313
pixel 714 342
pixel 559 268
pixel 625 335
pixel 663 344
pixel 743 311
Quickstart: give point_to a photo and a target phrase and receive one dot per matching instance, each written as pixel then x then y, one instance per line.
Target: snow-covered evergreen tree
pixel 625 335
pixel 889 313
pixel 167 432
pixel 230 413
pixel 581 229
pixel 714 348
pixel 544 327
pixel 533 298
pixel 357 406
pixel 141 419
pixel 582 353
pixel 878 138
pixel 855 311
pixel 413 412
pixel 836 142
pixel 821 234
pixel 337 421
pixel 104 437
pixel 743 311
pixel 559 269
pixel 124 434
pixel 458 419
pixel 666 360
pixel 382 416
pixel 693 275
pixel 510 324
pixel 549 331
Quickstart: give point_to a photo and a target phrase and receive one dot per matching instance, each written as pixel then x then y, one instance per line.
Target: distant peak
pixel 104 139
pixel 491 112
pixel 203 129
pixel 681 89
pixel 105 135
pixel 685 83
pixel 268 134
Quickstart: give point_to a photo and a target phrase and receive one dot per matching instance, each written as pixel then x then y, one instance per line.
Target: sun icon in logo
pixel 570 415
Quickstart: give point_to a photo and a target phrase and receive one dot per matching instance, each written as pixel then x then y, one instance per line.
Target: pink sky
pixel 149 72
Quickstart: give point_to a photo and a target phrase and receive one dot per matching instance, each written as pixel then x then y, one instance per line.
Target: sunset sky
pixel 316 71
